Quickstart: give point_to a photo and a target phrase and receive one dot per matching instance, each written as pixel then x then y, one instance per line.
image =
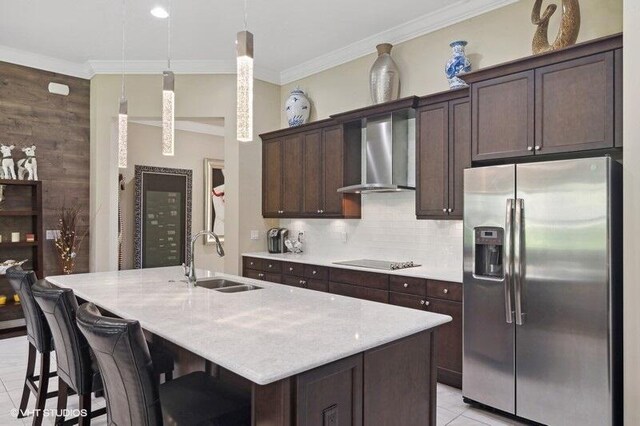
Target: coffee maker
pixel 275 240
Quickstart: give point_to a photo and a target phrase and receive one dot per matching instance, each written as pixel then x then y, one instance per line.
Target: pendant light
pixel 168 99
pixel 244 51
pixel 123 118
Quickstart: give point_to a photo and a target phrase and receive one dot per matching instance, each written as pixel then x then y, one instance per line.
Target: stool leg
pixel 43 384
pixel 85 404
pixel 168 376
pixel 31 366
pixel 63 392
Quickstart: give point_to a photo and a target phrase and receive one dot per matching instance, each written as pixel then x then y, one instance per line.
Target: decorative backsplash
pixel 388 230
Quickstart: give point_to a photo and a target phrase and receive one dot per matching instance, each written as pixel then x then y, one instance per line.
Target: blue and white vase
pixel 458 64
pixel 297 108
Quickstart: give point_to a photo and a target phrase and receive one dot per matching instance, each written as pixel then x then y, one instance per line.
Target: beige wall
pixel 495 37
pixel 197 96
pixel 631 216
pixel 191 150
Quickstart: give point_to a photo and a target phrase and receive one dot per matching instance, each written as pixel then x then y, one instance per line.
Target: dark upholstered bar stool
pixel 134 397
pixel 76 370
pixel 39 338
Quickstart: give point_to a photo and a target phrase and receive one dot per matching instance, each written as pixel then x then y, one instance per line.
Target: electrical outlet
pixel 255 235
pixel 52 234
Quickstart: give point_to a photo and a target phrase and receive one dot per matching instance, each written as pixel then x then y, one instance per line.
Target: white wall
pixel 191 150
pixel 197 96
pixel 388 230
pixel 631 213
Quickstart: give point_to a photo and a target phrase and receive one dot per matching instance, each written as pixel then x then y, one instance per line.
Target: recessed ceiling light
pixel 160 12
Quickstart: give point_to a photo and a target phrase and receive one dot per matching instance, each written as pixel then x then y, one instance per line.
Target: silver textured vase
pixel 384 77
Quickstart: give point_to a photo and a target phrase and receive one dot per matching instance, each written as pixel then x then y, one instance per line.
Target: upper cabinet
pixel 302 170
pixel 556 103
pixel 443 152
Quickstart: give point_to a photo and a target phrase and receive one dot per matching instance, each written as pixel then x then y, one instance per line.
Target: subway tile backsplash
pixel 388 230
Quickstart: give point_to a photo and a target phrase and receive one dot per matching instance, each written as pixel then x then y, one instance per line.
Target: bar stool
pixel 135 398
pixel 40 342
pixel 76 369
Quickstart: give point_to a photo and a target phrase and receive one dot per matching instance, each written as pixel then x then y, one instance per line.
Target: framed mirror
pixel 162 216
pixel 214 207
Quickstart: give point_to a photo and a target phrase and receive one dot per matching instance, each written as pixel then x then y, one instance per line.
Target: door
pixel 333 164
pixel 488 357
pixel 562 357
pixel 292 175
pixel 433 158
pixel 312 201
pixel 503 117
pixel 459 153
pixel 575 105
pixel 272 178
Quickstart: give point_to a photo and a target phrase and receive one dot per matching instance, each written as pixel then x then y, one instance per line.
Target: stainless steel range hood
pixel 388 154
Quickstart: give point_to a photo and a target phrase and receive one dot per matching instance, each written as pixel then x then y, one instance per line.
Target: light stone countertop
pixel 263 335
pixel 424 271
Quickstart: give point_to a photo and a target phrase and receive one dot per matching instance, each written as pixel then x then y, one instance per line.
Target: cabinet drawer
pixel 271 265
pixel 256 275
pixel 273 277
pixel 359 292
pixel 408 301
pixel 318 285
pixel 316 272
pixel 409 285
pixel 359 278
pixel 444 290
pixel 293 281
pixel 253 263
pixel 292 268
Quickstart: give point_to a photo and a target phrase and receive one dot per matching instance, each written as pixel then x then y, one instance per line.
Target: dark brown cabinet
pixel 561 102
pixel 443 152
pixel 302 171
pixel 503 116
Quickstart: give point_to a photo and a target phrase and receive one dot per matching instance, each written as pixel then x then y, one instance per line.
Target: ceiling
pixel 292 39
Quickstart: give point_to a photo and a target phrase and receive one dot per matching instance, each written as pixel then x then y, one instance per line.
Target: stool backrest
pixel 38 332
pixel 73 356
pixel 131 389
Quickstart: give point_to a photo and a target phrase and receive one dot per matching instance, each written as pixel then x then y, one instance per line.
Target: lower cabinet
pixel 410 292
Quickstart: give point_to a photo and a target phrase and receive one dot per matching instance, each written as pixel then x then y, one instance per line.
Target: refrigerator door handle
pixel 517 260
pixel 508 264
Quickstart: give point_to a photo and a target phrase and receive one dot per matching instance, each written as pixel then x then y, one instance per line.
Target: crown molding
pixel 46 63
pixel 441 18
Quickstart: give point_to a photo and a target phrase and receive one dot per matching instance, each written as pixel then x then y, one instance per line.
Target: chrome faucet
pixel 190 271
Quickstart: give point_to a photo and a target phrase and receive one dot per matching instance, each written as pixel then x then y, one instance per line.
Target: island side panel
pixel 272 404
pixel 400 382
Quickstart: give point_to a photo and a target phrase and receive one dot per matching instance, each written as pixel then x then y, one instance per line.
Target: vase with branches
pixel 67 240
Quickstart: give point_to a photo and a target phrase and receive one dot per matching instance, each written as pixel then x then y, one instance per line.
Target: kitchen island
pixel 310 358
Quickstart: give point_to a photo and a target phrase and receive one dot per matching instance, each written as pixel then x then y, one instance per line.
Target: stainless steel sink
pixel 216 283
pixel 238 288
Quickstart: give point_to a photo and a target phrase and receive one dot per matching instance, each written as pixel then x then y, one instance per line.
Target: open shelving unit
pixel 20 212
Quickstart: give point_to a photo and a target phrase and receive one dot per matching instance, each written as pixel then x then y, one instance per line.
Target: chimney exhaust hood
pixel 387 146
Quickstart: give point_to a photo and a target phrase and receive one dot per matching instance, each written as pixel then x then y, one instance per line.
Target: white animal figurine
pixel 28 164
pixel 7 164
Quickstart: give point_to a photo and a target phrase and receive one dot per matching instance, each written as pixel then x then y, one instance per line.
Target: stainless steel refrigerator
pixel 542 290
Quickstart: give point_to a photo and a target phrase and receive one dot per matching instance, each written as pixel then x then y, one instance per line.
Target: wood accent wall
pixel 59 127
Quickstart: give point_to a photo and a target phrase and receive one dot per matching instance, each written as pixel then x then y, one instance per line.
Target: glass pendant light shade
pixel 123 122
pixel 244 47
pixel 168 113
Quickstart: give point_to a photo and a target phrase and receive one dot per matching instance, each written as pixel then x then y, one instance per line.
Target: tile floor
pixel 13 356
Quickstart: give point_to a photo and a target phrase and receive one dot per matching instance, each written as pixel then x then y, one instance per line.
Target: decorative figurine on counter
pixel 569 26
pixel 28 164
pixel 297 108
pixel 8 166
pixel 457 64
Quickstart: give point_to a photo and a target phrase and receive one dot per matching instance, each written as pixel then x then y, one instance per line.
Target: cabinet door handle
pixel 445 291
pixel 290 268
pixel 444 210
pixel 538 147
pixel 406 285
pixel 270 266
pixel 251 263
pixel 427 303
pixel 314 272
pixel 260 275
pixel 529 148
pixel 422 302
pixel 449 210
